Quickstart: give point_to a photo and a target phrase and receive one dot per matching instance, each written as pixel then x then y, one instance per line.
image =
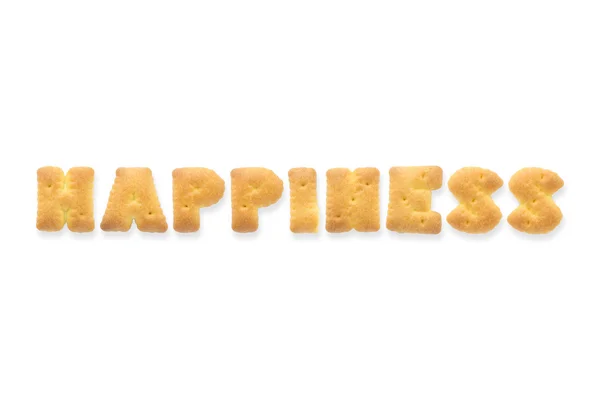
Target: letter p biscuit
pixel 251 189
pixel 194 188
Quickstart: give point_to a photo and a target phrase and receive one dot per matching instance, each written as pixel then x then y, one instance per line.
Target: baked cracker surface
pixel 304 210
pixel 477 212
pixel 194 188
pixel 537 212
pixel 409 207
pixel 352 200
pixel 133 197
pixel 65 199
pixel 252 188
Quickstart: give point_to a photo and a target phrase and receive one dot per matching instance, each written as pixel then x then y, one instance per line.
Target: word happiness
pixel 352 199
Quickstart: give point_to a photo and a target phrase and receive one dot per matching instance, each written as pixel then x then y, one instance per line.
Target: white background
pixel 281 84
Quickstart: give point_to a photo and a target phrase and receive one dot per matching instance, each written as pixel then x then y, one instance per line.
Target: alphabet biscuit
pixel 65 199
pixel 352 200
pixel 194 188
pixel 477 212
pixel 133 197
pixel 304 210
pixel 251 189
pixel 537 213
pixel 409 208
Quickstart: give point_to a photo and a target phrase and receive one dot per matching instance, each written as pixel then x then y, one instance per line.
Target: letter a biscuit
pixel 133 197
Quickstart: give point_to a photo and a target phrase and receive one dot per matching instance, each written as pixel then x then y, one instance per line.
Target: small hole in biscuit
pixel 244 206
pixel 480 176
pixel 542 177
pixel 303 184
pixel 49 185
pixel 422 221
pixel 367 183
pixel 353 199
pixel 338 216
pixel 467 222
pixel 423 175
pixel 533 201
pixel 473 201
pixel 186 206
pixel 149 212
pixel 404 198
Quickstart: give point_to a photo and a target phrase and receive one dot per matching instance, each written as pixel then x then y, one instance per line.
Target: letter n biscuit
pixel 352 200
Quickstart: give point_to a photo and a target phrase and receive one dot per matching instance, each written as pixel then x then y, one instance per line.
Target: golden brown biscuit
pixel 477 212
pixel 133 197
pixel 67 199
pixel 409 208
pixel 304 210
pixel 537 212
pixel 251 189
pixel 194 188
pixel 352 200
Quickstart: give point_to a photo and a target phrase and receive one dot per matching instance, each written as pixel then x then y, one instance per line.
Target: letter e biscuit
pixel 409 208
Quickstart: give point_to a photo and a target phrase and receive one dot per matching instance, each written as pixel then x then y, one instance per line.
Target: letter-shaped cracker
pixel 537 212
pixel 304 210
pixel 352 200
pixel 473 188
pixel 133 197
pixel 194 188
pixel 251 189
pixel 65 199
pixel 409 209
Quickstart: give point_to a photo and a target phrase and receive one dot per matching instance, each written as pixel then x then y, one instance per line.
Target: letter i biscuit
pixel 304 210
